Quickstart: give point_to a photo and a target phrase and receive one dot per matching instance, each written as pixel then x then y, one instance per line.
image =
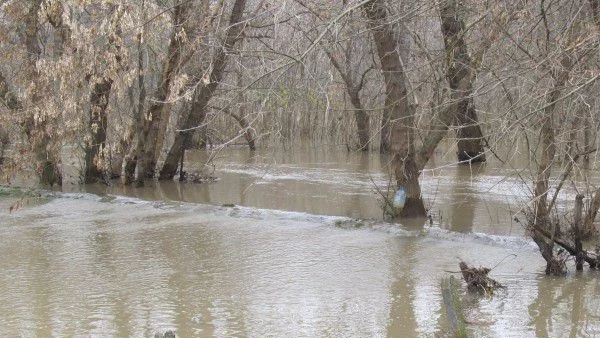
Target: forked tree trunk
pixel 148 142
pixel 190 122
pixel 397 107
pixel 460 77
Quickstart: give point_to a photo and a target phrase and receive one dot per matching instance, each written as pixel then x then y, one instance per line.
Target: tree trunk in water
pixel 362 120
pixel 396 104
pixel 192 120
pixel 245 127
pixel 353 88
pixel 470 137
pixel 135 151
pixel 149 144
pixel 541 218
pixel 94 166
pixel 460 77
pixel 241 117
pixel 588 223
pixel 577 234
pixel 203 94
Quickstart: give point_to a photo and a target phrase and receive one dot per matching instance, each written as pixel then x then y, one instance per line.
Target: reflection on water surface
pixel 84 266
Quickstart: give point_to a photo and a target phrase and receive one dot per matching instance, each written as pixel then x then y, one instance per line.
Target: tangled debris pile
pixel 477 279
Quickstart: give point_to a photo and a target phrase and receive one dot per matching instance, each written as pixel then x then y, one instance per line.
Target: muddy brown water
pixel 286 261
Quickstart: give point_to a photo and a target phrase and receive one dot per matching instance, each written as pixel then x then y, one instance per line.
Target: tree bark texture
pixel 197 113
pixel 94 170
pixel 154 124
pixel 460 75
pixel 397 107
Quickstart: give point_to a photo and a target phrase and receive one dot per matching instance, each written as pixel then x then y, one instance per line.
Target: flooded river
pixel 287 260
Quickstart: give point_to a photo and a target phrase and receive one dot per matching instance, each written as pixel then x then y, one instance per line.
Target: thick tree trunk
pixel 460 77
pixel 148 144
pixel 397 107
pixel 203 94
pixel 192 121
pixel 95 162
pixel 94 166
pixel 470 137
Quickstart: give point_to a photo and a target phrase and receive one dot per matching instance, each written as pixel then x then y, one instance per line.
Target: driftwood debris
pixel 452 306
pixel 477 279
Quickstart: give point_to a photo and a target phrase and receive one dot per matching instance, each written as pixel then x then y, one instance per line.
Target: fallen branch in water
pixel 477 279
pixel 452 306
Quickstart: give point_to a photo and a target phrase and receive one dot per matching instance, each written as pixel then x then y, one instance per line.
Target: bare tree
pixel 461 75
pixel 203 93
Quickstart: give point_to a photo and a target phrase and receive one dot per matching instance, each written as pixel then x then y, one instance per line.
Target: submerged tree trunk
pixel 541 219
pixel 460 75
pixel 397 108
pixel 94 164
pixel 148 143
pixel 242 116
pixel 245 127
pixel 588 228
pixel 353 88
pixel 192 121
pixel 95 161
pixel 362 121
pixel 130 160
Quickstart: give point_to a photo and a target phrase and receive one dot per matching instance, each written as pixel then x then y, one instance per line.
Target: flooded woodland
pixel 299 168
pixel 284 243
